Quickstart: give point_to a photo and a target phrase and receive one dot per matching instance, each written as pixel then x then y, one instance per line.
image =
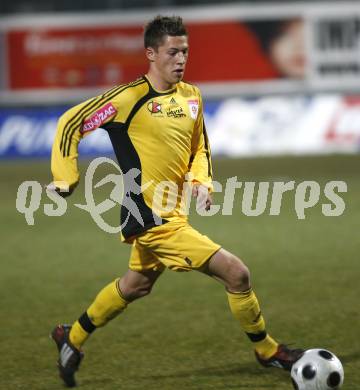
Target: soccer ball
pixel 317 369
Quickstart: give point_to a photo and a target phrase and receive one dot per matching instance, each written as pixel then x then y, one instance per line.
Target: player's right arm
pixel 72 126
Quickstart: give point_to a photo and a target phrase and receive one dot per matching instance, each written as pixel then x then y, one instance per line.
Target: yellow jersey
pixel 160 133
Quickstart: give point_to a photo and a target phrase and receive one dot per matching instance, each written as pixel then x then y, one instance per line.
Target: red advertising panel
pixel 104 56
pixel 86 57
pixel 226 51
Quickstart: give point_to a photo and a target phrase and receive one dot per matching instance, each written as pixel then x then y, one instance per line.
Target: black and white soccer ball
pixel 317 369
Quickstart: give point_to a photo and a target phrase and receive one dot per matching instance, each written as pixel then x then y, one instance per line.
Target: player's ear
pixel 150 54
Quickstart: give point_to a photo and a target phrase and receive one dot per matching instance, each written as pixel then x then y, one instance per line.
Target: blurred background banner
pixel 235 49
pixel 276 78
pixel 281 89
pixel 74 57
pixel 104 56
pixel 237 127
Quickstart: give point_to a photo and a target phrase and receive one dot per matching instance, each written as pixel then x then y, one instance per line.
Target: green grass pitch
pixel 305 272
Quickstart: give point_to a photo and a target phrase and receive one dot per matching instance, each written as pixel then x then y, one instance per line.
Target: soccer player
pixel 156 126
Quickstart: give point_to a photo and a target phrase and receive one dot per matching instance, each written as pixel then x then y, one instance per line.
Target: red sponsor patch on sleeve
pixel 99 117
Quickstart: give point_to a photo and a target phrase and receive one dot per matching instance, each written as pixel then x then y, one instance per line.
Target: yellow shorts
pixel 174 245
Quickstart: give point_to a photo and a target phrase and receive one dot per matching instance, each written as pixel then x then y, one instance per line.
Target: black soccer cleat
pixel 69 356
pixel 283 358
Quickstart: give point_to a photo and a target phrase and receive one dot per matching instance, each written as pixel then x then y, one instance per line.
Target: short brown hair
pixel 159 27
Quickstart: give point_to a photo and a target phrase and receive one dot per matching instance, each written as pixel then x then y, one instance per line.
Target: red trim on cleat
pixel 69 357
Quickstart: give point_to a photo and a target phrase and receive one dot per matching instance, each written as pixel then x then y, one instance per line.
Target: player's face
pixel 169 60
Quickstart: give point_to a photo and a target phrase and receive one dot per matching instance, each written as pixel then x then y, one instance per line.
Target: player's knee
pixel 238 276
pixel 134 285
pixel 131 293
pixel 144 290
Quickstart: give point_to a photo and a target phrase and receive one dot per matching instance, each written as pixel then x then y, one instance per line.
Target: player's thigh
pixel 142 259
pixel 179 246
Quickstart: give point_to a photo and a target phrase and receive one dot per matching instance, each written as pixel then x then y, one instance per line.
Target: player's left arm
pixel 200 161
pixel 72 127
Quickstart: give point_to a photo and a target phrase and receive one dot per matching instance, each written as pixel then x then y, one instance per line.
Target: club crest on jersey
pixel 194 108
pixel 154 107
pixel 99 117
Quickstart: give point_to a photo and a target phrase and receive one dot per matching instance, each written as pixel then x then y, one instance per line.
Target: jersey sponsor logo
pixel 154 107
pixel 173 102
pixel 175 113
pixel 99 117
pixel 194 108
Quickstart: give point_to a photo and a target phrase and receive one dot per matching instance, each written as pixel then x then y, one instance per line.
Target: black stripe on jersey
pixel 74 119
pixel 68 123
pixel 128 158
pixel 133 83
pixel 123 85
pixel 76 116
pixel 108 92
pixel 94 104
pixel 102 100
pixel 152 90
pixel 191 159
pixel 207 150
pixel 79 118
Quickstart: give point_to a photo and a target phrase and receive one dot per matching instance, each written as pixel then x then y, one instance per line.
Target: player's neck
pixel 158 83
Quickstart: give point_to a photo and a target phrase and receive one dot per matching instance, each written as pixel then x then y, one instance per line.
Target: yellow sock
pixel 245 308
pixel 266 347
pixel 106 306
pixel 78 335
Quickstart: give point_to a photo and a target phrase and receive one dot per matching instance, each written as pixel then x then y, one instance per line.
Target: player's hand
pixel 203 197
pixel 61 191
